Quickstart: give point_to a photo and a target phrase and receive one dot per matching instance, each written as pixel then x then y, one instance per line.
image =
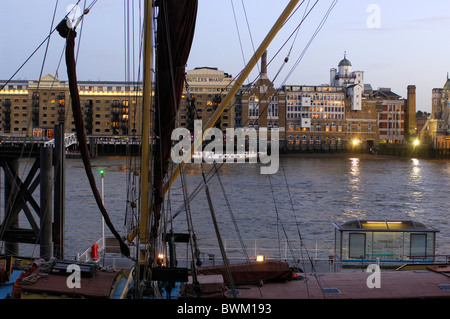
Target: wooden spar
pixel 147 98
pixel 145 212
pixel 238 83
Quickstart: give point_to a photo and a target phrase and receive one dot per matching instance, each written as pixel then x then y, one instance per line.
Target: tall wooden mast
pixel 147 100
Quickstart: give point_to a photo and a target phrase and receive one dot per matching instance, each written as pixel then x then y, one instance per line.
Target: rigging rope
pixel 320 26
pixel 37 49
pixel 235 223
pixel 11 200
pixel 131 216
pixel 193 238
pixel 237 30
pixel 296 31
pixel 218 236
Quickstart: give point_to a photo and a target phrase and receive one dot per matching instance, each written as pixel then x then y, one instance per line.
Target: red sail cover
pixel 176 24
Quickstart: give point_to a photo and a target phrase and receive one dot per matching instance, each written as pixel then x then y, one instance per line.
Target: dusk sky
pixel 396 43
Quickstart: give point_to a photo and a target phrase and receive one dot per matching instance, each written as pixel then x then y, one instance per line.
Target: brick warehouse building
pixel 35 107
pixel 346 114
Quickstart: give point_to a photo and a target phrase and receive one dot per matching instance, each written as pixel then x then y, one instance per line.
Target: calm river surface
pixel 302 200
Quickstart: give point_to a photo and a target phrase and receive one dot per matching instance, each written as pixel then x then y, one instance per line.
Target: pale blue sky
pixel 410 46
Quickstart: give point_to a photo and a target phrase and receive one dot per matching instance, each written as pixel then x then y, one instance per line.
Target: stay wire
pixel 296 33
pixel 293 212
pixel 193 238
pixel 12 200
pixel 230 210
pixel 37 49
pixel 237 30
pixel 320 26
pixel 285 61
pixel 279 221
pixel 237 27
pixel 37 88
pixel 85 11
pixel 233 219
pixel 200 185
pixel 265 94
pixel 248 27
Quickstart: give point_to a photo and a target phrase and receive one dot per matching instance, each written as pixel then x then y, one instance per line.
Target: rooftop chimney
pixel 264 65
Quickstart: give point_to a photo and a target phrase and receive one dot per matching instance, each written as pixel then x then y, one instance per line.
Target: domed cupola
pixel 447 84
pixel 345 62
pixel 345 67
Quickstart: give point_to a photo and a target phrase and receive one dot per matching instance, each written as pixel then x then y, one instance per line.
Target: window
pixel 253 107
pixel 273 107
pixel 418 245
pixel 357 245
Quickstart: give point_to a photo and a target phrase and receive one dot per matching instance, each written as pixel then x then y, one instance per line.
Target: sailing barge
pixel 267 280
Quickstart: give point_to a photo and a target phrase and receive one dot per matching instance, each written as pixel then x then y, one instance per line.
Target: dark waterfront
pixel 309 191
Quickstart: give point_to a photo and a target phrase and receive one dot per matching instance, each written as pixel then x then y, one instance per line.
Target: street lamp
pixel 355 142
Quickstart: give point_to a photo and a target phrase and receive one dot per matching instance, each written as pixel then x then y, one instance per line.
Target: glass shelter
pixel 385 241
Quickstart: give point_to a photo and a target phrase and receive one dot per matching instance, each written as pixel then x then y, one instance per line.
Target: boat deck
pixel 420 284
pixel 6 289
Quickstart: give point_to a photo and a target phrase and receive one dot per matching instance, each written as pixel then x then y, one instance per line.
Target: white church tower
pixel 353 82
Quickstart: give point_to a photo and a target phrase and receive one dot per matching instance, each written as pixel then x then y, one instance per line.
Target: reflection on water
pixel 415 186
pixel 314 192
pixel 301 201
pixel 354 184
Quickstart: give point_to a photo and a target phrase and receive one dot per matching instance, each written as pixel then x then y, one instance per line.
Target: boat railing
pixel 385 262
pixel 292 252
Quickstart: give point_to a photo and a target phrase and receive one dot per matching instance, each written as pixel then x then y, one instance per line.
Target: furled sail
pixel 176 24
pixel 70 34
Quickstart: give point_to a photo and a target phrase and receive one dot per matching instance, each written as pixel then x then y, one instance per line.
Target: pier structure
pixel 45 216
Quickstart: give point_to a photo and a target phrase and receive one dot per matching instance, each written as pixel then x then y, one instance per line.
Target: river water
pixel 301 201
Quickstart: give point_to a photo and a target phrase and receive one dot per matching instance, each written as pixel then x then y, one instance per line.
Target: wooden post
pixel 11 190
pixel 59 192
pixel 46 203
